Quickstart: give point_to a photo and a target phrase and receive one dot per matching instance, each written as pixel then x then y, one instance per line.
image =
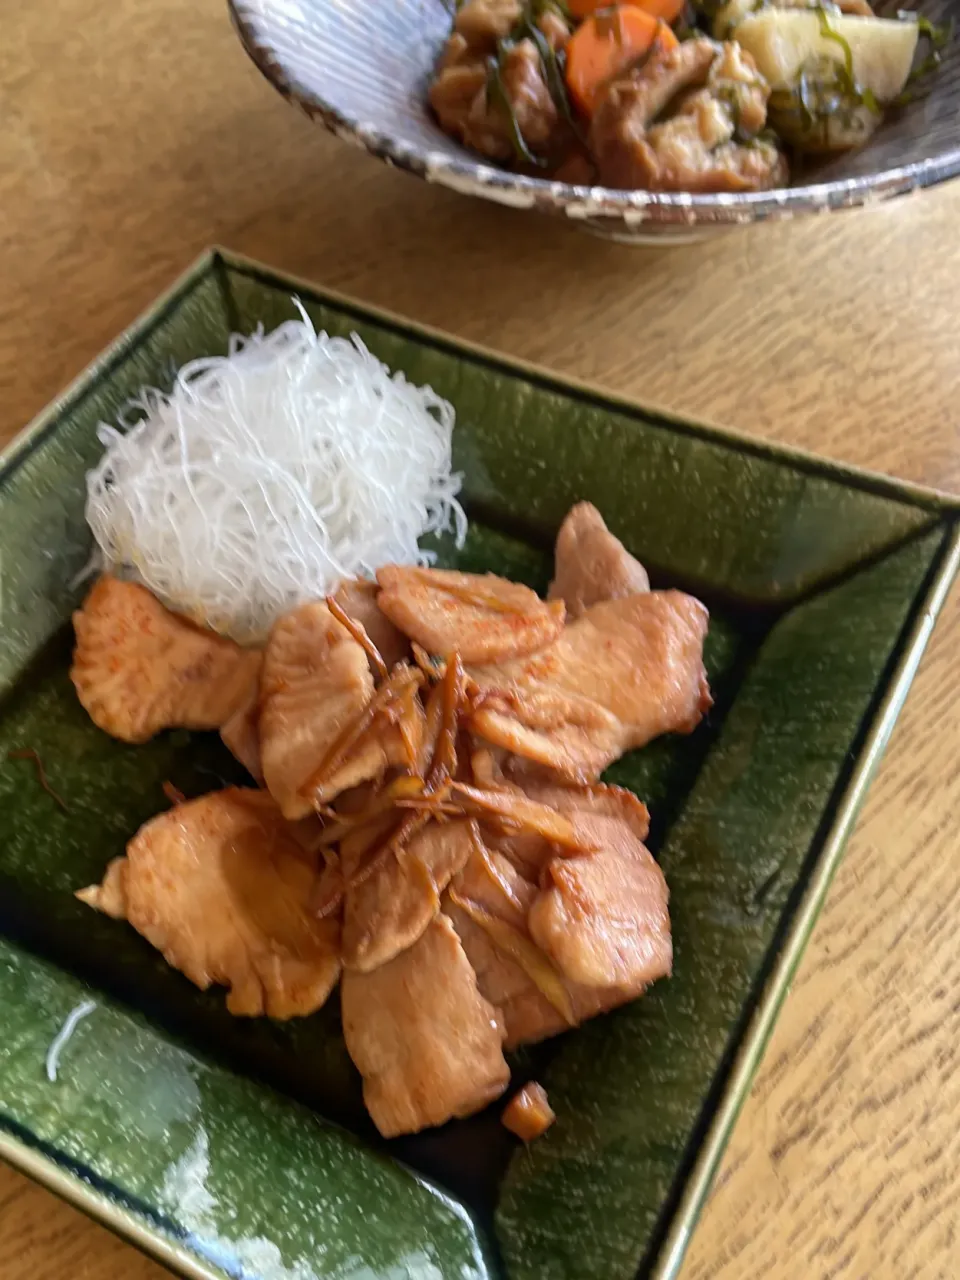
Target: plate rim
pixel 854 789
pixel 60 1180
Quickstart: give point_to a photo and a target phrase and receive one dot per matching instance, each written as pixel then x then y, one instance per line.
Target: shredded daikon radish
pixel 76 1015
pixel 268 475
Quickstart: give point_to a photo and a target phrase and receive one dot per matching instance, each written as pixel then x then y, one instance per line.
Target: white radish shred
pixel 268 475
pixel 63 1035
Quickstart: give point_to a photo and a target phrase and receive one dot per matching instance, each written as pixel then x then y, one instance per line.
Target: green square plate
pixel 240 1148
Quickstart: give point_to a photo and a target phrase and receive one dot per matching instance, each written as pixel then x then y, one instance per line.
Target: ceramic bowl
pixel 363 69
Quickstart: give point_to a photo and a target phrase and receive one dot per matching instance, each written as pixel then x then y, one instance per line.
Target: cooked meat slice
pixel 389 911
pixel 686 119
pixel 458 92
pixel 533 997
pixel 138 668
pixel 576 168
pixel 489 128
pixel 110 895
pixel 601 800
pixel 358 599
pixel 491 884
pixel 529 1114
pixel 591 564
pixel 222 888
pixel 314 685
pixel 624 672
pixel 602 917
pixel 428 1045
pixel 461 98
pixel 652 85
pixel 482 617
pixel 486 765
pixel 241 734
pixel 482 23
pixel 530 854
pixel 559 731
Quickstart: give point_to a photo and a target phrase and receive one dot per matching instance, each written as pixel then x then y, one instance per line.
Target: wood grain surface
pixel 134 135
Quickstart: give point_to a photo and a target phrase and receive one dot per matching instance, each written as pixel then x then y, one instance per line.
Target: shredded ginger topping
pixel 267 476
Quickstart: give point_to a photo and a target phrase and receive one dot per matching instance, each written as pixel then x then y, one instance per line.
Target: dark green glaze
pixel 128 1104
pixel 811 573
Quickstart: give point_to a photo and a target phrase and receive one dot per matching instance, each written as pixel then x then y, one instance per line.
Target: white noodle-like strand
pixel 63 1035
pixel 268 475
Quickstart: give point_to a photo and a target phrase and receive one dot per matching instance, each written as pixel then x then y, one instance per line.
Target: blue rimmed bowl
pixel 362 69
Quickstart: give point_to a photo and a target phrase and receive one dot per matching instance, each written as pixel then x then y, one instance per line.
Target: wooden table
pixel 133 135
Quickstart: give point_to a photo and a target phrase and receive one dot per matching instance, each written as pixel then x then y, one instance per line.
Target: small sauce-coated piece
pixel 529 1114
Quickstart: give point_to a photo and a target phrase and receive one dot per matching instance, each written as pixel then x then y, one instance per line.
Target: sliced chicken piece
pixel 138 668
pixel 591 565
pixel 602 918
pixel 110 895
pixel 601 800
pixel 428 1045
pixel 517 990
pixel 241 734
pixel 625 672
pixel 482 617
pixel 223 889
pixel 562 958
pixel 688 118
pixel 389 911
pixel 551 728
pixel 358 599
pixel 314 685
pixel 530 854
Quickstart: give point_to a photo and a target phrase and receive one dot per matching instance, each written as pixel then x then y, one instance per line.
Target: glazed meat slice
pixel 428 1045
pixel 622 674
pixel 490 893
pixel 390 910
pixel 584 805
pixel 594 937
pixel 138 668
pixel 488 905
pixel 358 599
pixel 483 617
pixel 482 23
pixel 315 684
pixel 462 92
pixel 591 565
pixel 223 889
pixel 110 895
pixel 530 854
pixel 602 917
pixel 687 119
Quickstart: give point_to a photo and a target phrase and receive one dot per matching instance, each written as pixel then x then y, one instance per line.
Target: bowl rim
pixel 595 205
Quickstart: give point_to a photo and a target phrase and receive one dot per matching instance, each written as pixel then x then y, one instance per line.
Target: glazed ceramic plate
pixel 241 1148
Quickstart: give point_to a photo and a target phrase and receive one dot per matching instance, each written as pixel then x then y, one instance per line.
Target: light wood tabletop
pixel 134 135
